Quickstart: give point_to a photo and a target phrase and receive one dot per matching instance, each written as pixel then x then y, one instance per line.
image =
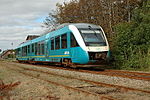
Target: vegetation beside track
pixel 131 44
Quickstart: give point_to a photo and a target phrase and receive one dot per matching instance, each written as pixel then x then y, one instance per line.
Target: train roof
pixel 78 25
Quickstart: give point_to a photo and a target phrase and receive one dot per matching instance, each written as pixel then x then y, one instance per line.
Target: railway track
pixel 117 73
pixel 92 82
pixel 108 72
pixel 80 89
pixel 127 74
pixel 77 89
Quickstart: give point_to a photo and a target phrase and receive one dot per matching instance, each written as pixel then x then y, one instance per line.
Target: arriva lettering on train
pixel 66 52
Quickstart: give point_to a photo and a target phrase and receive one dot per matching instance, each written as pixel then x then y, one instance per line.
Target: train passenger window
pixel 42 48
pixel 19 51
pixel 28 48
pixel 52 44
pixel 64 41
pixel 73 41
pixel 35 48
pixel 32 48
pixel 57 42
pixel 24 51
pixel 38 48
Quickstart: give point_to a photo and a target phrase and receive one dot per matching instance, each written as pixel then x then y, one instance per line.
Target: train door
pixel 47 49
pixel 74 51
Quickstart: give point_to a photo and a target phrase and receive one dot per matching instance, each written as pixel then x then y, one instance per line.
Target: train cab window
pixel 57 42
pixel 73 41
pixel 93 37
pixel 52 44
pixel 64 41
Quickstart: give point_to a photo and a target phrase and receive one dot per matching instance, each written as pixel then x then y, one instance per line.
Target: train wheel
pixel 68 63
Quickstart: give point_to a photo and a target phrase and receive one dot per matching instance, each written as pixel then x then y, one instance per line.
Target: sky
pixel 20 18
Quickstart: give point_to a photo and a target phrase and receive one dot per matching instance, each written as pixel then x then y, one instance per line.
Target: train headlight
pixel 97 55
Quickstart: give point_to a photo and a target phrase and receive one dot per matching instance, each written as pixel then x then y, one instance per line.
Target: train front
pixel 93 41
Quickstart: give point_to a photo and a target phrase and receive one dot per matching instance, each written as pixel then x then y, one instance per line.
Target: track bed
pixel 61 84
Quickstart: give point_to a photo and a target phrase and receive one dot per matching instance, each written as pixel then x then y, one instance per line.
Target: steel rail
pixel 67 87
pixel 119 73
pixel 93 82
pixel 123 71
pixel 131 75
pixel 96 83
pixel 99 83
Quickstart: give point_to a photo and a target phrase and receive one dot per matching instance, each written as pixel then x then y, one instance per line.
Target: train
pixel 69 44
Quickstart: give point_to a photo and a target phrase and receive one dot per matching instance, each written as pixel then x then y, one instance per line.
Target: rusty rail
pixel 106 98
pixel 119 73
pixel 93 82
pixel 128 74
pixel 67 87
pixel 123 71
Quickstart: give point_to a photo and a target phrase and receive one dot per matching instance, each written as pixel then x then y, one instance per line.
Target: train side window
pixel 25 51
pixel 42 48
pixel 73 41
pixel 28 48
pixel 35 48
pixel 57 42
pixel 64 41
pixel 22 51
pixel 52 44
pixel 19 51
pixel 32 48
pixel 38 48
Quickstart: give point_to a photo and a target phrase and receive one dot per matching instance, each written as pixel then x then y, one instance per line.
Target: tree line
pixel 125 22
pixel 131 43
pixel 106 13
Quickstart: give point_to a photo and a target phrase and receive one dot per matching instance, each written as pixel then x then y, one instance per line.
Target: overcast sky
pixel 19 18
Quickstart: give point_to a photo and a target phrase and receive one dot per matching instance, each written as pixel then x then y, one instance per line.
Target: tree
pixel 131 45
pixel 106 13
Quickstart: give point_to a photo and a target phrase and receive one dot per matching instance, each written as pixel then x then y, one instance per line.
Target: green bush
pixel 131 43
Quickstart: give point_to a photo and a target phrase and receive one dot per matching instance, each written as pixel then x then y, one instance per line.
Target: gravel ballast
pixel 35 88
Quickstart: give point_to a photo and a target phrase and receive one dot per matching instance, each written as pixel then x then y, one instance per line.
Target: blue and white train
pixel 69 44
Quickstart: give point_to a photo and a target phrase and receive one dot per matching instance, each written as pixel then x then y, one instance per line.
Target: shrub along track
pixel 80 89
